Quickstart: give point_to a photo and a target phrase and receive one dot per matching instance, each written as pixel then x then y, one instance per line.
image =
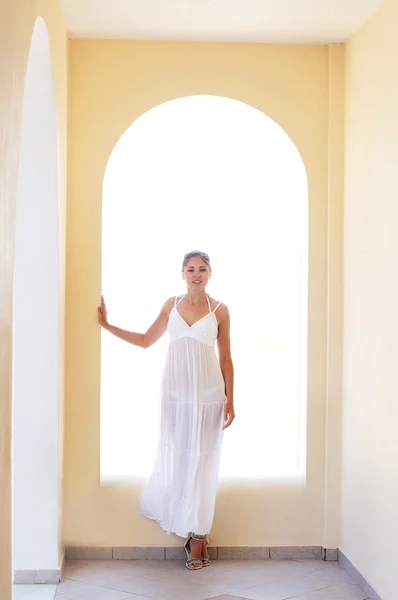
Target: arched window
pixel 213 174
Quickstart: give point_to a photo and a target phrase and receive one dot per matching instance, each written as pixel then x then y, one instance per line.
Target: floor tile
pixel 34 592
pixel 288 586
pixel 329 576
pixel 342 592
pixel 120 588
pixel 227 597
pixel 91 592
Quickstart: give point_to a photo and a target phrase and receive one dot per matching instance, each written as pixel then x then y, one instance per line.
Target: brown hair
pixel 194 254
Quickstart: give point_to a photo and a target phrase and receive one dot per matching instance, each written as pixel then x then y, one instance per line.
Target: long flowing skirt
pixel 181 491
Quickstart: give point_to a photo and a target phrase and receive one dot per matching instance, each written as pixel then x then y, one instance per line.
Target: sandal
pixel 193 564
pixel 206 559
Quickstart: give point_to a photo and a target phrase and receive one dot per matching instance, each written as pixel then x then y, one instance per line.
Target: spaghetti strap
pixel 180 300
pixel 217 306
pixel 208 303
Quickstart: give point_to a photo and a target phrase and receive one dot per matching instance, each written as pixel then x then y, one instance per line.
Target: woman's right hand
pixel 102 314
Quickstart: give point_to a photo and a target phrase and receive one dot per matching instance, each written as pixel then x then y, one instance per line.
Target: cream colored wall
pixel 370 439
pixel 112 84
pixel 334 311
pixel 17 19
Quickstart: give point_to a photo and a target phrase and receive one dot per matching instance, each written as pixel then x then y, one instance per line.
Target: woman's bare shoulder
pixel 168 305
pixel 222 307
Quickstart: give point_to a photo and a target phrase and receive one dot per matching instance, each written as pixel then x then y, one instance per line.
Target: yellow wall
pixel 17 19
pixel 370 438
pixel 112 84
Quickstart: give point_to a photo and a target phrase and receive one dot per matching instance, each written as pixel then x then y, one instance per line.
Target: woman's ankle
pixel 195 548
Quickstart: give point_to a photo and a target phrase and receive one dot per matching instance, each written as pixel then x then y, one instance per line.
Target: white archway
pixel 36 490
pixel 213 174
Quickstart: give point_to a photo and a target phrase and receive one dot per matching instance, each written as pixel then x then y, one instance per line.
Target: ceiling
pixel 266 21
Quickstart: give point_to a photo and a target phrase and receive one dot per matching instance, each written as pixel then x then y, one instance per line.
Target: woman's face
pixel 196 273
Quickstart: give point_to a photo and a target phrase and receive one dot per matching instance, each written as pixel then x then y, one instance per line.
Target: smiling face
pixel 196 273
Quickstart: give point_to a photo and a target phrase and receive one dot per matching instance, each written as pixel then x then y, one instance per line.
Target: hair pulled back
pixel 196 254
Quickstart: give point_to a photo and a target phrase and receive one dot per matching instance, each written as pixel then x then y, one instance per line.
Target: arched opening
pixel 36 325
pixel 218 175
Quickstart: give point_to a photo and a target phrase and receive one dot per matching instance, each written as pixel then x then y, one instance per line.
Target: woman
pixel 196 406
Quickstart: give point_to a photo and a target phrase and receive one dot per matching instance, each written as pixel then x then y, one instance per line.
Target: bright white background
pixel 217 175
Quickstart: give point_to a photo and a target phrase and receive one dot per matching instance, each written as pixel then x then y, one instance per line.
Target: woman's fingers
pixel 227 424
pixel 102 312
pixel 229 416
pixel 102 308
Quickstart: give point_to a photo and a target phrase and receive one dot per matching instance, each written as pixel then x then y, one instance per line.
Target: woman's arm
pixel 143 340
pixel 227 368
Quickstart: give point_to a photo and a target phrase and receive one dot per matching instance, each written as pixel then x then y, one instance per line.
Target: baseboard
pixel 356 575
pixel 330 554
pixel 216 552
pixel 27 576
pixel 62 565
pixel 31 576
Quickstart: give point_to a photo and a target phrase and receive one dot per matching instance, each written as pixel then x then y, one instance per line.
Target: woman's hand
pixel 102 314
pixel 229 414
pixel 143 340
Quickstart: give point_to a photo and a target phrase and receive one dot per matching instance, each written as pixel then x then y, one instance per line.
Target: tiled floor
pixel 223 580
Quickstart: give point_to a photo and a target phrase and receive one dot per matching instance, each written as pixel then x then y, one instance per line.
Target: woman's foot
pixel 193 549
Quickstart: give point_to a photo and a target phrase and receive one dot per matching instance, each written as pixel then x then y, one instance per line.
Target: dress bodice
pixel 205 330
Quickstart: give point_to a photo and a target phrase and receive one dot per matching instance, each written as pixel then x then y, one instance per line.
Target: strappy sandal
pixel 193 564
pixel 206 559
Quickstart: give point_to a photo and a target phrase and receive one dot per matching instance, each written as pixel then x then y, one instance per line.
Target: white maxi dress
pixel 181 491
